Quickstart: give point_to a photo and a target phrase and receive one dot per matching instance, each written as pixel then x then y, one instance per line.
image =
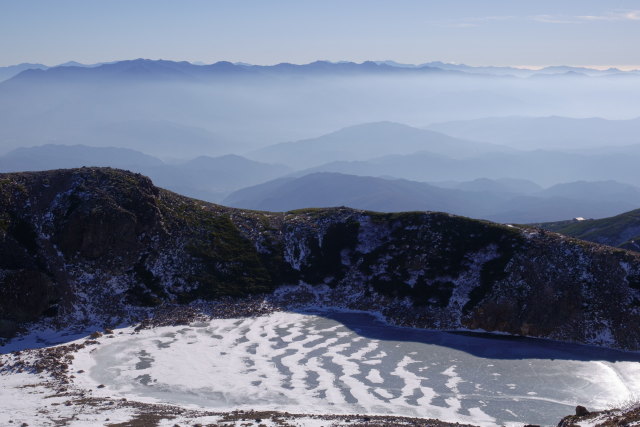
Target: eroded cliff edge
pixel 102 245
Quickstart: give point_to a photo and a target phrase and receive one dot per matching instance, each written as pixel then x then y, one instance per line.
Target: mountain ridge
pixel 98 244
pixel 557 132
pixel 387 66
pixel 159 70
pixel 486 199
pixel 541 166
pixel 205 177
pixel 622 231
pixel 370 140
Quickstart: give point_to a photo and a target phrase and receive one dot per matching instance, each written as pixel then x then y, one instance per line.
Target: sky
pixel 475 32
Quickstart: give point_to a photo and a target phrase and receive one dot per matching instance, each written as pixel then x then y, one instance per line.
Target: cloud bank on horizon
pixel 491 32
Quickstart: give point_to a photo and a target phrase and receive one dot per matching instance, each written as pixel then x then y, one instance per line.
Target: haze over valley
pixel 570 176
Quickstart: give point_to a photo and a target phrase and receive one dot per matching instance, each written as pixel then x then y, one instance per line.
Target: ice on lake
pixel 345 362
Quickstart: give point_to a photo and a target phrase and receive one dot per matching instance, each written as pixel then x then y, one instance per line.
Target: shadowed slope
pixel 95 244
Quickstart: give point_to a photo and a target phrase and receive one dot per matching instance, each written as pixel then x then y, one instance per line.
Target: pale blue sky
pixel 476 32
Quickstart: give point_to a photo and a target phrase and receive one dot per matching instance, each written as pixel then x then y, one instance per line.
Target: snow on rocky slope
pixel 102 247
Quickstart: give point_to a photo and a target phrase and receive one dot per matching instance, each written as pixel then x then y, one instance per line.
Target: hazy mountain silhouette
pixel 163 70
pixel 72 156
pixel 161 138
pixel 130 69
pixel 545 132
pixel 603 191
pixel 394 195
pixel 13 70
pixel 211 178
pixel 543 167
pixel 507 71
pixel 206 178
pixel 248 107
pixel 331 189
pixel 367 141
pixel 500 185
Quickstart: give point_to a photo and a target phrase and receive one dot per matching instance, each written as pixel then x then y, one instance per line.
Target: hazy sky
pixel 477 32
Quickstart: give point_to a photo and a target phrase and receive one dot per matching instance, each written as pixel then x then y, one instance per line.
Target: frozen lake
pixel 352 363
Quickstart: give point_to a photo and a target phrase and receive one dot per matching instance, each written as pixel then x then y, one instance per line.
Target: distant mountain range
pixel 500 185
pixel 175 112
pixel 543 167
pixel 162 138
pixel 177 109
pixel 211 178
pixel 13 70
pixel 331 189
pixel 381 149
pixel 241 182
pixel 386 149
pixel 160 70
pixel 321 66
pixel 545 132
pixel 486 199
pixel 207 178
pixel 512 71
pixel 67 156
pixel 370 140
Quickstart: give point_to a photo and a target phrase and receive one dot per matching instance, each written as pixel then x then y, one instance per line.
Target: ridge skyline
pixel 392 62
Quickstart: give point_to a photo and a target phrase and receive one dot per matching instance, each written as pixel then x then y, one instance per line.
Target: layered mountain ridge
pixel 486 199
pixel 99 245
pixel 184 69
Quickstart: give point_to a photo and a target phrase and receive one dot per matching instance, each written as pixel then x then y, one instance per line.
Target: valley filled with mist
pixel 498 143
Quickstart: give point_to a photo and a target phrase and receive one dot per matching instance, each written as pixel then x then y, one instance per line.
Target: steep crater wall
pixel 96 243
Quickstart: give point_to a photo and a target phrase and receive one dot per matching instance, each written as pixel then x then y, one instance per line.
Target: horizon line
pixel 528 67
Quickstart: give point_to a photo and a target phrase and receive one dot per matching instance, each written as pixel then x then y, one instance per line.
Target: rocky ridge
pixel 99 246
pixel 622 231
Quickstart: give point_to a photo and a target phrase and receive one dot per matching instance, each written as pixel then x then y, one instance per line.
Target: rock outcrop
pixel 86 244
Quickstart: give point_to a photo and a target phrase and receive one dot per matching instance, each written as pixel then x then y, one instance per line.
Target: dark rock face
pixel 84 243
pixel 581 411
pixel 25 295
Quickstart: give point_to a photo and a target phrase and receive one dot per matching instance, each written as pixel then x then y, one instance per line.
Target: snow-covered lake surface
pixel 342 362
